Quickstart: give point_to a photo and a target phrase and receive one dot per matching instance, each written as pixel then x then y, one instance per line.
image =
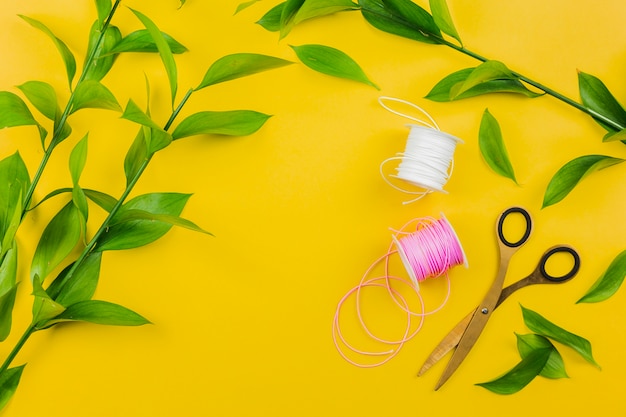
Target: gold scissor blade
pixel 447 344
pixel 468 339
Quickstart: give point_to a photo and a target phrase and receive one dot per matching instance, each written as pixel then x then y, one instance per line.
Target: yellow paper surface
pixel 242 321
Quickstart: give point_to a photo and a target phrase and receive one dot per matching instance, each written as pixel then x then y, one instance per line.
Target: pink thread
pixel 430 251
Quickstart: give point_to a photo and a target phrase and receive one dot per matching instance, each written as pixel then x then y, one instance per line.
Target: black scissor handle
pixel 552 251
pixel 529 227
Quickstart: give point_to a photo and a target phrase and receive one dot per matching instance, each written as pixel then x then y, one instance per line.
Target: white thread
pixel 427 161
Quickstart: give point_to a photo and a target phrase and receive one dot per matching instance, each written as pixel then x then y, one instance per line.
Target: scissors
pixel 466 333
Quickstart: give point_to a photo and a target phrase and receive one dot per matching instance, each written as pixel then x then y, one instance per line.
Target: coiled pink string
pixel 429 251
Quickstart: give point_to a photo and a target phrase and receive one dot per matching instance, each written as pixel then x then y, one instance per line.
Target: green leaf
pixel 608 283
pixel 555 367
pixel 81 285
pixel 331 61
pixel 133 234
pixel 66 54
pixel 43 97
pixel 44 307
pixel 94 95
pixel 102 60
pixel 442 91
pixel 521 375
pixel 142 41
pixel 182 3
pixel 99 312
pixel 317 8
pixel 402 18
pixel 288 15
pixel 135 114
pixel 157 139
pixel 8 290
pixel 15 183
pixel 164 51
pixel 239 65
pixel 271 20
pixel 7 301
pixel 134 215
pixel 441 15
pixel 78 158
pixel 543 327
pixel 614 136
pixel 232 123
pixel 597 97
pixel 244 5
pixel 487 71
pixel 492 146
pixel 572 173
pixel 57 241
pixel 9 380
pixel 104 8
pixel 136 156
pixel 104 200
pixel 14 112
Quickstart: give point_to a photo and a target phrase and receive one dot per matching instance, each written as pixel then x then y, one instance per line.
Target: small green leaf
pixel 614 136
pixel 15 182
pixel 102 60
pixel 78 158
pixel 7 301
pixel 316 8
pixel 43 97
pixel 182 3
pixel 572 173
pixel 134 215
pixel 543 327
pixel 133 234
pixel 244 5
pixel 521 375
pixel 288 15
pixel 492 146
pixel 94 95
pixel 555 367
pixel 239 65
pixel 442 91
pixel 441 15
pixel 608 283
pixel 8 290
pixel 57 241
pixel 9 380
pixel 487 71
pixel 44 307
pixel 135 114
pixel 14 112
pixel 105 201
pixel 99 312
pixel 402 18
pixel 136 156
pixel 66 54
pixel 271 20
pixel 331 61
pixel 104 8
pixel 164 51
pixel 81 285
pixel 597 97
pixel 141 41
pixel 157 140
pixel 232 123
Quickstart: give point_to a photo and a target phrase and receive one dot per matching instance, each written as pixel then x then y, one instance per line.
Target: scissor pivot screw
pixel 484 310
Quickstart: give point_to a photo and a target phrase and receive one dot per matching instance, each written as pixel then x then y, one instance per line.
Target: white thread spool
pixel 427 161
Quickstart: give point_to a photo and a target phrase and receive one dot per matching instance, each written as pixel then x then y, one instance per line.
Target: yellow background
pixel 242 321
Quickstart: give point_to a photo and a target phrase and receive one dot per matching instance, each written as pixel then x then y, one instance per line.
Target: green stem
pixel 612 123
pixel 60 124
pixel 18 346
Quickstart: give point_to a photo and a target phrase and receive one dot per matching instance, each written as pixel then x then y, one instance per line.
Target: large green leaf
pixel 132 234
pixel 57 241
pixel 92 94
pixel 239 65
pixel 597 97
pixel 9 380
pixel 572 173
pixel 102 60
pixel 331 61
pixel 543 327
pixel 555 367
pixel 142 41
pixel 492 146
pixel 521 375
pixel 441 15
pixel 14 112
pixel 81 285
pixel 164 51
pixel 609 282
pixel 487 71
pixel 99 312
pixel 232 123
pixel 271 20
pixel 43 97
pixel 401 17
pixel 316 8
pixel 66 54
